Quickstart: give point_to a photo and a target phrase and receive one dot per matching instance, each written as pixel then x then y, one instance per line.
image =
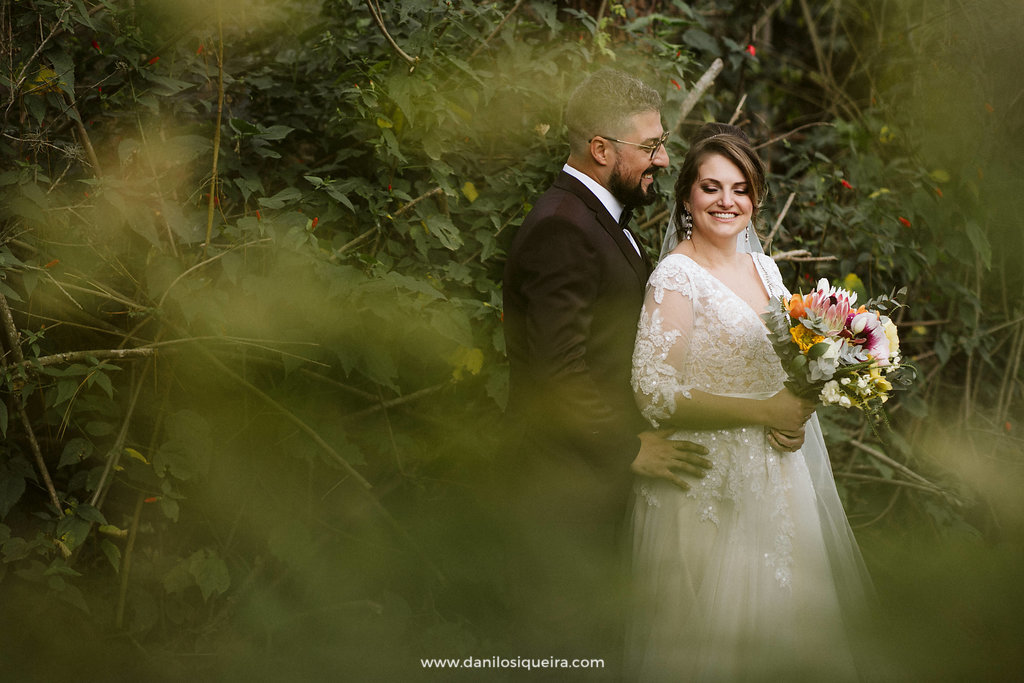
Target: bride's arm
pixel 662 363
pixel 783 411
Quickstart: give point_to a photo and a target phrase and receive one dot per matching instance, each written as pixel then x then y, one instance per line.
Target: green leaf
pixel 90 514
pixel 169 507
pixel 979 240
pixel 817 351
pixel 701 40
pixel 210 573
pixel 73 596
pixel 12 486
pixel 275 132
pixel 97 428
pixel 99 377
pixel 442 227
pixel 75 451
pixel 289 194
pixel 113 554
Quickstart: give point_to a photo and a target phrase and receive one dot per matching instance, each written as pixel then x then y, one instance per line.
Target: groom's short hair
pixel 603 104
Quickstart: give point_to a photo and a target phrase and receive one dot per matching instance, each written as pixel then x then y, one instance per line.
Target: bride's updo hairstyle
pixel 733 144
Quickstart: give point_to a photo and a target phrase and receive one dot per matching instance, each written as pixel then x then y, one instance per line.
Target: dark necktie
pixel 624 218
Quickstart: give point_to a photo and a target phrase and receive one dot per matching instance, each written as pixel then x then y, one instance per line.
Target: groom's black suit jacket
pixel 573 289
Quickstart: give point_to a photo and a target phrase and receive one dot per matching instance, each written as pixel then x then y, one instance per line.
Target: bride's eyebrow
pixel 719 182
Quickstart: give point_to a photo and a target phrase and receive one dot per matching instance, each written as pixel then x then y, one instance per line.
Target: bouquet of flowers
pixel 835 352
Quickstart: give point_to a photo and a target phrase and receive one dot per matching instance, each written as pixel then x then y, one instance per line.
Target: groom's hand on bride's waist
pixel 664 459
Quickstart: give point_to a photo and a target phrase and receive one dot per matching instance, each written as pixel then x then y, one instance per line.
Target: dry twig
pixel 11 332
pixel 692 97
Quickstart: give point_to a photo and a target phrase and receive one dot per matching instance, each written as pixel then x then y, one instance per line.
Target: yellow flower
pixel 804 337
pixel 881 383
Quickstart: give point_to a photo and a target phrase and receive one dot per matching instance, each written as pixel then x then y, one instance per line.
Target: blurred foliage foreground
pixel 250 310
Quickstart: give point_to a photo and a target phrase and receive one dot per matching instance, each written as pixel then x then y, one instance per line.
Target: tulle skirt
pixel 734 579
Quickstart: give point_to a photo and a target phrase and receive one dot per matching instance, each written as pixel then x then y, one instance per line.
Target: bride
pixel 751 573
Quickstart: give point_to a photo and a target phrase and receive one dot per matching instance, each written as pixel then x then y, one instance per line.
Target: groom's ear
pixel 599 150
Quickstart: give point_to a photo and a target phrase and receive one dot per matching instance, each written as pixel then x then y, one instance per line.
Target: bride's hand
pixel 786 412
pixel 787 442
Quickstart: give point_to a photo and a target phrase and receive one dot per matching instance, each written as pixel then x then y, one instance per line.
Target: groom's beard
pixel 630 191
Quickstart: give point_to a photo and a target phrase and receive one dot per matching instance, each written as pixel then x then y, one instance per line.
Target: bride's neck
pixel 710 254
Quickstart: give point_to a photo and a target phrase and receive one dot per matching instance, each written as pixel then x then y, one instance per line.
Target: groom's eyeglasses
pixel 653 148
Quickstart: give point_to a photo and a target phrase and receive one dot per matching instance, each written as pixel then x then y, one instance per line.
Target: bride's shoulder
pixel 675 265
pixel 675 272
pixel 768 264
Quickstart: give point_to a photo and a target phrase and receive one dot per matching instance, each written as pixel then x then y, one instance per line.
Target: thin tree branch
pixel 292 417
pixel 902 469
pixel 739 109
pixel 414 202
pixel 795 130
pixel 98 354
pixel 692 97
pixel 497 28
pixel 892 482
pixel 16 85
pixel 126 563
pixel 216 132
pixel 379 19
pixel 778 221
pixel 207 262
pixel 84 136
pixel 114 456
pixel 416 395
pixel 13 344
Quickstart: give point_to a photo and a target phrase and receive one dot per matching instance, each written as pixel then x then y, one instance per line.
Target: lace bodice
pixel 695 333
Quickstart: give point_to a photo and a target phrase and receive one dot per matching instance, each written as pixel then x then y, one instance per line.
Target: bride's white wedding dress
pixel 751 574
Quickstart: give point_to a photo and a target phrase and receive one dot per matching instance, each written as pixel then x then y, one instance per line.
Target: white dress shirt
pixel 613 205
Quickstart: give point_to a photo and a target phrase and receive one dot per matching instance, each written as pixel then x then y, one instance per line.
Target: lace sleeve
pixel 661 352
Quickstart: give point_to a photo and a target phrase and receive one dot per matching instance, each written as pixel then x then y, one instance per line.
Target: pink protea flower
pixel 870 334
pixel 831 304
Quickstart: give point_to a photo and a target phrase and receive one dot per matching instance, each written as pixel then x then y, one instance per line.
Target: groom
pixel 573 288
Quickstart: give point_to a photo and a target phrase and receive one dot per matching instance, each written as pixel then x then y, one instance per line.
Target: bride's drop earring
pixel 687 225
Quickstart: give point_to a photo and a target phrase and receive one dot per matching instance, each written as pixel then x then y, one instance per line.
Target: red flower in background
pixel 846 184
pixel 751 50
pixel 904 222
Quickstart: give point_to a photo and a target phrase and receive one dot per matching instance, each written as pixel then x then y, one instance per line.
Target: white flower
pixel 832 353
pixel 830 393
pixel 889 328
pixel 845 401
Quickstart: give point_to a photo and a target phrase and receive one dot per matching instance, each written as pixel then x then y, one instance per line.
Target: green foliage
pixel 246 433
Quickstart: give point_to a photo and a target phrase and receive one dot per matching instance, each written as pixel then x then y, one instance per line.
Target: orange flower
pixel 796 307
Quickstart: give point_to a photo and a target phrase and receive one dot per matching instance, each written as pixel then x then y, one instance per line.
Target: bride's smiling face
pixel 719 200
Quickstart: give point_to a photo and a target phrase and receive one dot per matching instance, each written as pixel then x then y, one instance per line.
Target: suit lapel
pixel 641 264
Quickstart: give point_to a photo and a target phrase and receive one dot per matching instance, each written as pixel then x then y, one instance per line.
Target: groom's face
pixel 634 170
